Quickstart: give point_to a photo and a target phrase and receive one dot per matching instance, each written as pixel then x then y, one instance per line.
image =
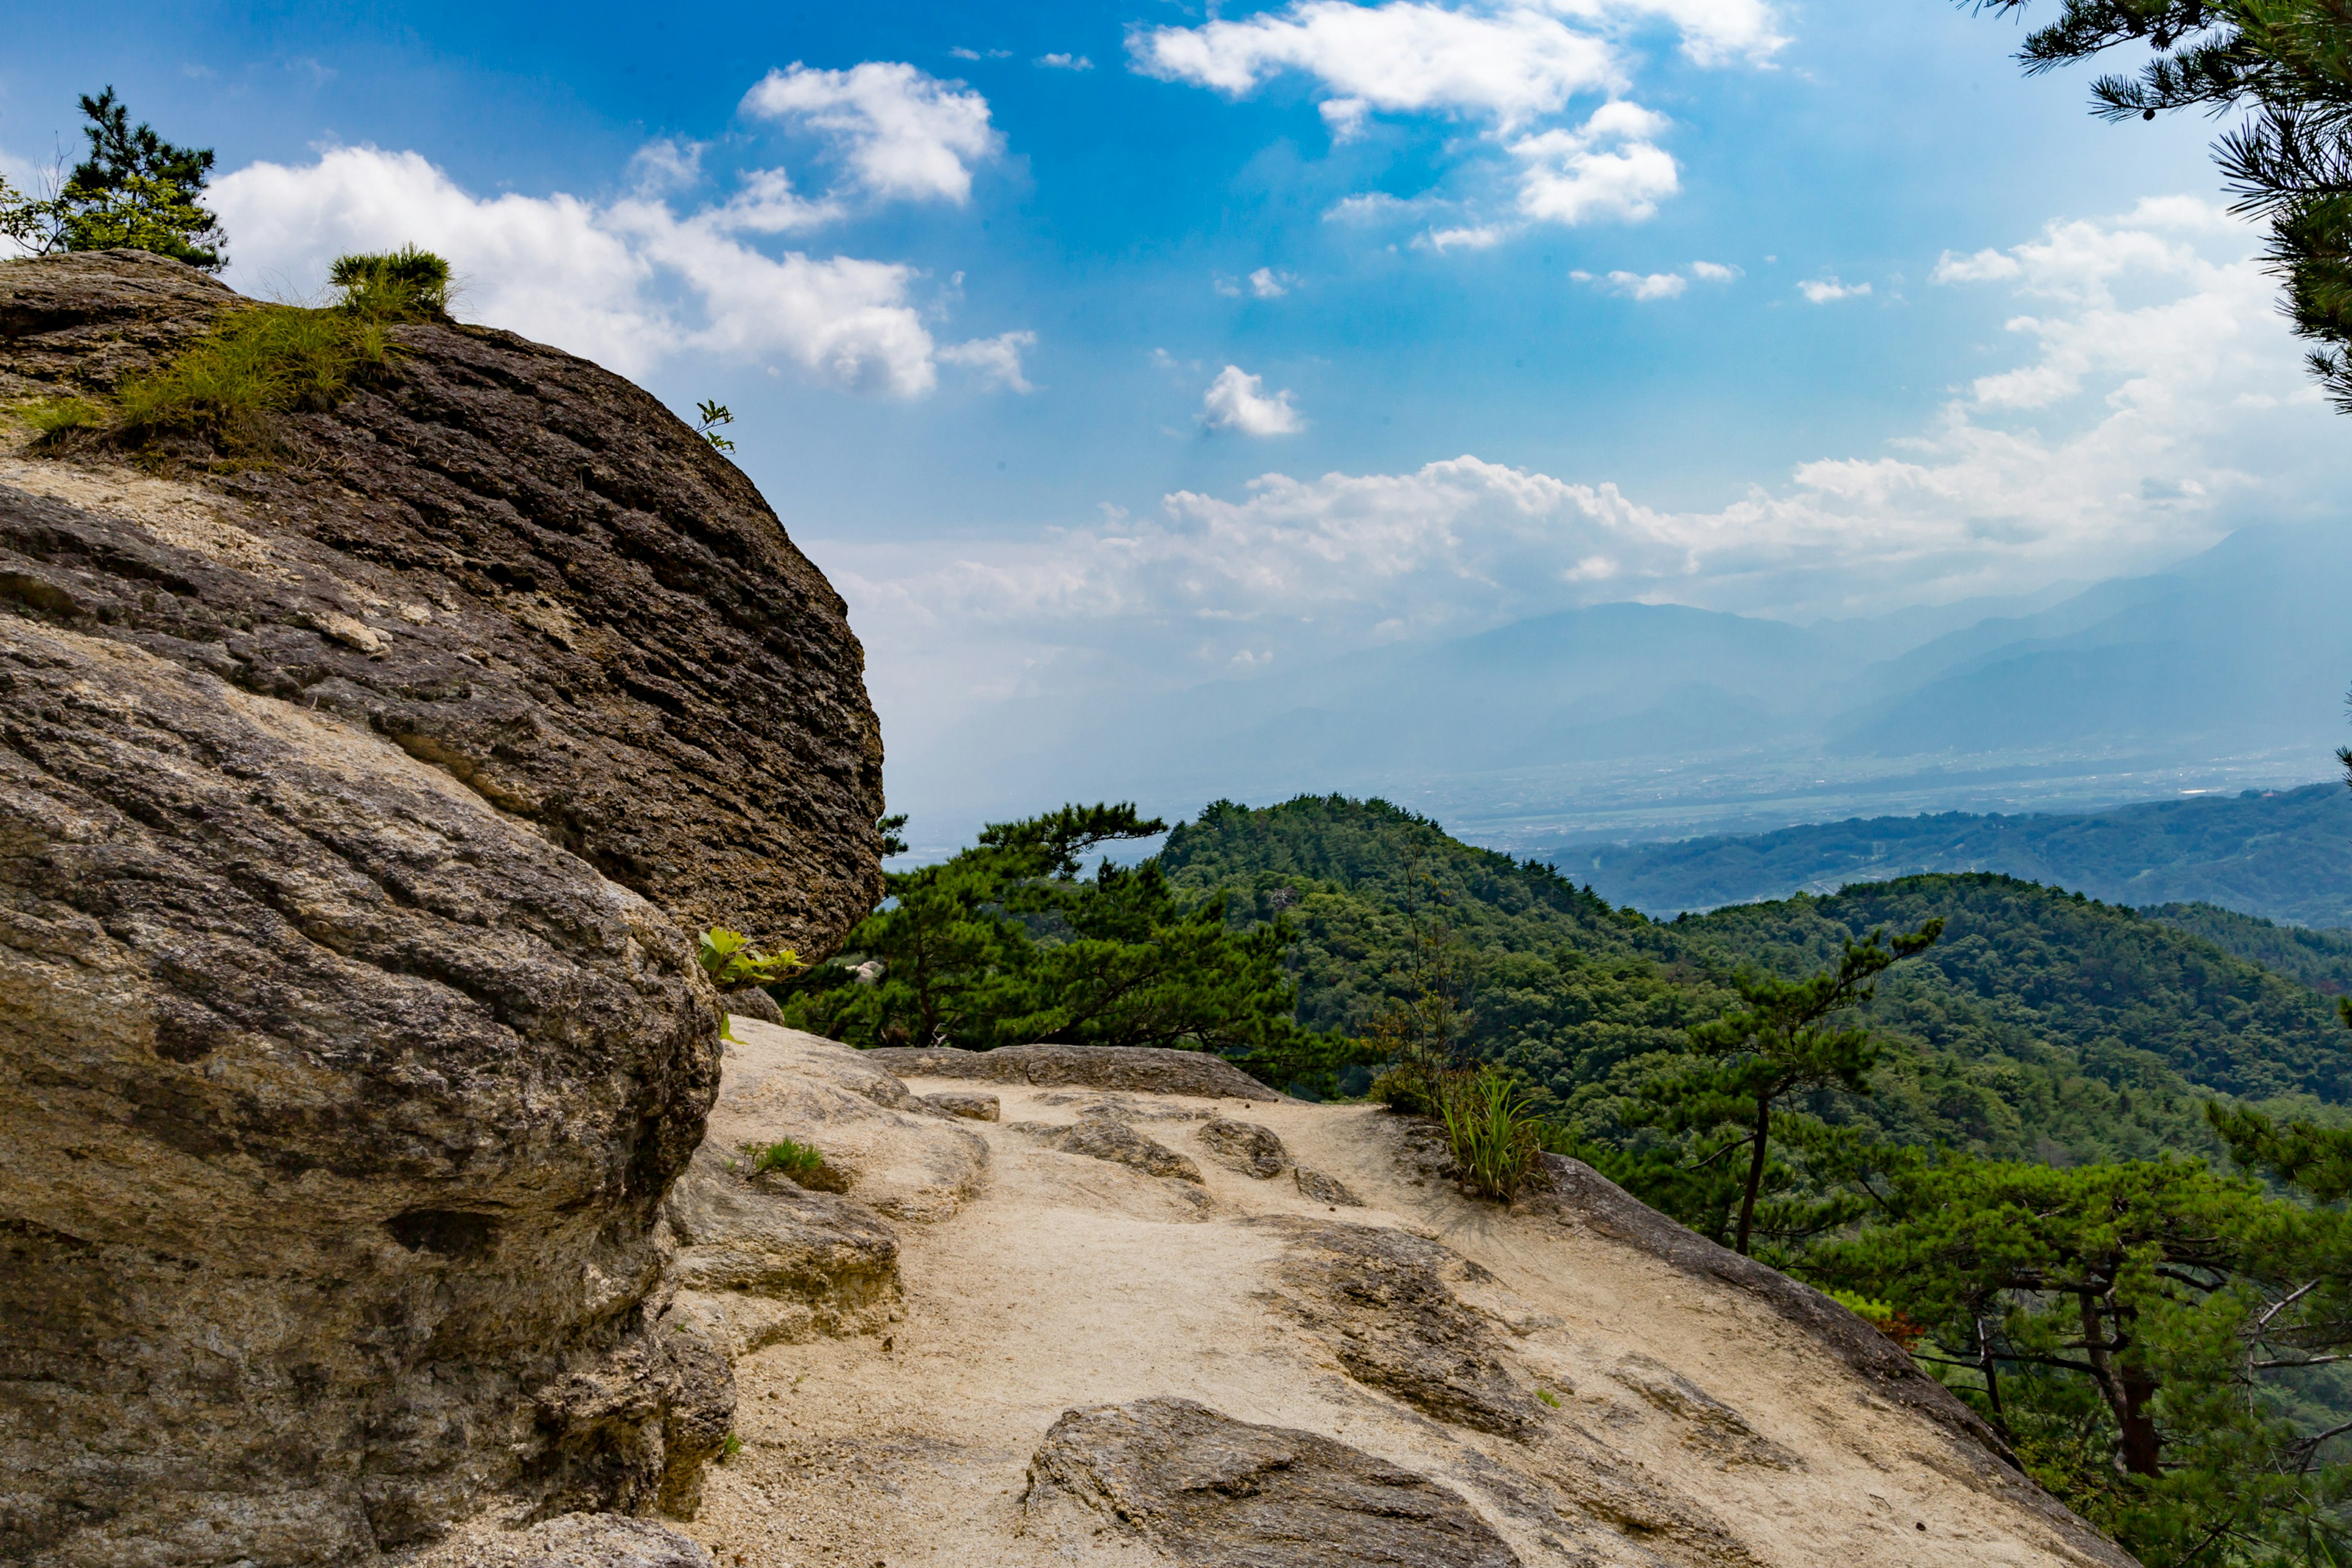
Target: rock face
pixel 1141 1069
pixel 1208 1489
pixel 515 566
pixel 354 813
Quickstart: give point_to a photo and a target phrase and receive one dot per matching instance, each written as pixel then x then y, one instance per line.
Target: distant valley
pixel 1639 721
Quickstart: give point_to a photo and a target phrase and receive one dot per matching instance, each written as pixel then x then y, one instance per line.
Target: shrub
pixel 1492 1129
pixel 404 285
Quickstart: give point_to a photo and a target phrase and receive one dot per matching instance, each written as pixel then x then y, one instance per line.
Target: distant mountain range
pixel 2283 856
pixel 1645 720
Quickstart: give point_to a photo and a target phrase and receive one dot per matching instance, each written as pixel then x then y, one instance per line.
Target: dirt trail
pixel 1681 1421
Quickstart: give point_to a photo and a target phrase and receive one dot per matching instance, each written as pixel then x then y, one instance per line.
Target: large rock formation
pixel 355 809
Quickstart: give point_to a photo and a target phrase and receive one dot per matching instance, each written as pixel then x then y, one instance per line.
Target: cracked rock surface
pixel 1207 1489
pixel 355 808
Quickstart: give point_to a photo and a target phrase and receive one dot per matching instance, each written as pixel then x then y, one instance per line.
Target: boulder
pixel 355 810
pixel 769 1263
pixel 517 566
pixel 1206 1489
pixel 1138 1068
pixel 756 1004
pixel 1245 1147
pixel 1110 1139
pixel 1316 1187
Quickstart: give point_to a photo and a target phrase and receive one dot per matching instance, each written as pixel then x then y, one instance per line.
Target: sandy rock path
pixel 1660 1417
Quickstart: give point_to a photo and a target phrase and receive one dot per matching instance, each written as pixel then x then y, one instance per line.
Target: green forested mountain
pixel 2283 854
pixel 2320 959
pixel 2044 1026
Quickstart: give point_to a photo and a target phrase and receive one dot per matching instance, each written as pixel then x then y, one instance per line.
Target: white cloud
pixel 1236 401
pixel 1645 286
pixel 903 132
pixel 997 359
pixel 1405 56
pixel 1822 291
pixel 1465 236
pixel 2142 418
pixel 1608 167
pixel 1268 284
pixel 1507 68
pixel 627 283
pixel 1713 272
pixel 1065 62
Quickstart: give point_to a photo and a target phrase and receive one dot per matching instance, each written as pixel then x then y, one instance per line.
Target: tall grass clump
pixel 284 359
pixel 404 285
pixel 1492 1128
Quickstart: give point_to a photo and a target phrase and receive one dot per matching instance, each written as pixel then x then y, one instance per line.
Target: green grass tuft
pixel 793 1158
pixel 53 417
pixel 276 358
pixel 1549 1397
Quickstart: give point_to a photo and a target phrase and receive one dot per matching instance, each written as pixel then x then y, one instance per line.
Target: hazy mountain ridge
pixel 2283 856
pixel 1633 718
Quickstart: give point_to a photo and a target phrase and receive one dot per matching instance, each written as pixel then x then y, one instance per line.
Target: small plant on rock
pixel 54 418
pixel 734 964
pixel 803 1164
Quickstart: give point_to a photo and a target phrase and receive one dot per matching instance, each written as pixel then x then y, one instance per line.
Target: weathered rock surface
pixel 1246 1147
pixel 756 1004
pixel 1379 1299
pixel 1316 1187
pixel 766 1262
pixel 969 1107
pixel 900 1162
pixel 1206 1489
pixel 517 566
pixel 570 1541
pixel 1140 1070
pixel 350 1037
pixel 1106 1137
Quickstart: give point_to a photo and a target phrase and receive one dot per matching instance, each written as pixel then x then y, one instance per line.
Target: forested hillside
pixel 2320 959
pixel 2282 856
pixel 2044 1026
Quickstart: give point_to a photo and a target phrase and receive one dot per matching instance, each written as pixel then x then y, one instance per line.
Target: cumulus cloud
pixel 1823 290
pixel 627 283
pixel 997 359
pixel 1236 401
pixel 1713 272
pixel 1608 167
pixel 904 134
pixel 1268 284
pixel 1512 70
pixel 2153 404
pixel 1065 62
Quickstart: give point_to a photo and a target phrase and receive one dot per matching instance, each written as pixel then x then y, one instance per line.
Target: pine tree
pixel 2288 63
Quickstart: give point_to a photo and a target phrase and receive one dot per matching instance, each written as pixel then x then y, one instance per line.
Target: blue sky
pixel 1096 348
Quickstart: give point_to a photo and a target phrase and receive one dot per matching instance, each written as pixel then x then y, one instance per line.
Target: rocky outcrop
pixel 518 567
pixel 1206 1489
pixel 1106 1137
pixel 1380 1300
pixel 571 1540
pixel 354 809
pixel 1138 1069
